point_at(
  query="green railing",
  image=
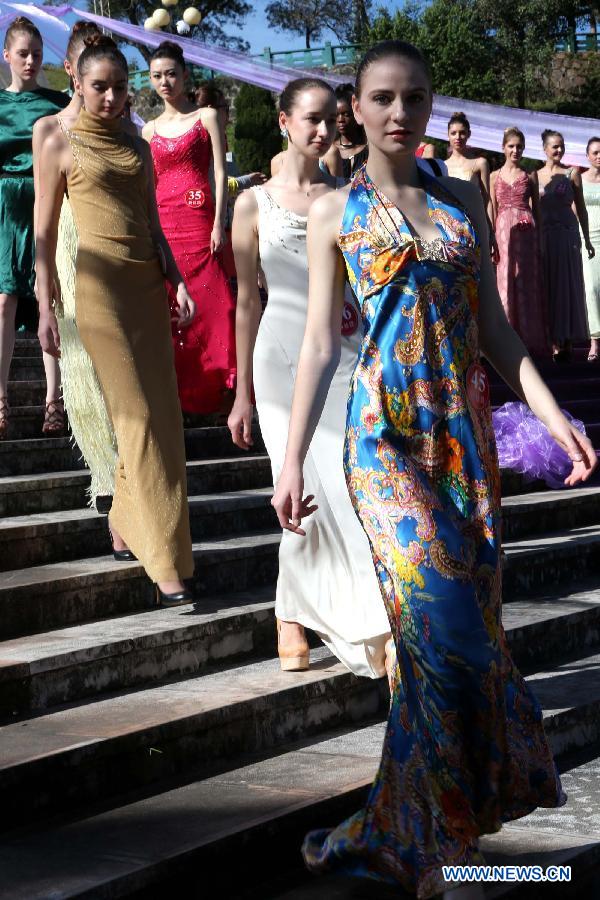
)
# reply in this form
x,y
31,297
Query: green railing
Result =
x,y
580,42
140,78
313,57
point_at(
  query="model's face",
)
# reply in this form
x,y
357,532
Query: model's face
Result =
x,y
394,105
593,155
168,78
104,89
554,148
311,123
513,149
344,120
24,56
458,136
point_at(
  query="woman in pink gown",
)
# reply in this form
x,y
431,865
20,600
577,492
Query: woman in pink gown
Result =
x,y
518,269
184,140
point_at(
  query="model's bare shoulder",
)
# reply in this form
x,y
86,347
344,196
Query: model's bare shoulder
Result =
x,y
326,213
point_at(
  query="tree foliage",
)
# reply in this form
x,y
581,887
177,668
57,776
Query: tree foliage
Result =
x,y
309,18
256,137
215,15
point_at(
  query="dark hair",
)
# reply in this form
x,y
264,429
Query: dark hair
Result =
x,y
459,118
169,50
290,93
208,94
385,49
547,133
100,46
344,92
80,31
512,131
592,140
21,25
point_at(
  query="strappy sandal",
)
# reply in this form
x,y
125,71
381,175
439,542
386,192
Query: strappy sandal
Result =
x,y
4,417
593,358
54,420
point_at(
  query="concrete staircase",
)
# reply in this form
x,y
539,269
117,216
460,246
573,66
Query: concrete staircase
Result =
x,y
144,751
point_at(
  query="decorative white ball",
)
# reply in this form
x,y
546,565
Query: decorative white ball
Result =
x,y
192,16
161,17
182,27
169,2
150,25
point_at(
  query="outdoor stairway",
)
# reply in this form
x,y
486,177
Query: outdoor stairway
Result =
x,y
145,751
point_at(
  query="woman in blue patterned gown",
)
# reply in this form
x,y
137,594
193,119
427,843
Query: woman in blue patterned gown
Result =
x,y
465,748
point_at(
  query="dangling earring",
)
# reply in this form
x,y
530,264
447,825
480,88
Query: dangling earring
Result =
x,y
284,132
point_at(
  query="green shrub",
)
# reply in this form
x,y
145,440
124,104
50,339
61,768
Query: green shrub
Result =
x,y
256,137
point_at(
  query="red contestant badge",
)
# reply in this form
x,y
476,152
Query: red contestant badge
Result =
x,y
349,319
194,198
478,387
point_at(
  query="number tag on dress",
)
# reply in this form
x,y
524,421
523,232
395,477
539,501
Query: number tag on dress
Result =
x,y
478,387
349,320
194,198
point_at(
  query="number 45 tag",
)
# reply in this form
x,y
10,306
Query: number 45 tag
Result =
x,y
478,387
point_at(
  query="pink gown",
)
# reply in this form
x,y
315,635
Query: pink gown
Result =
x,y
204,352
518,272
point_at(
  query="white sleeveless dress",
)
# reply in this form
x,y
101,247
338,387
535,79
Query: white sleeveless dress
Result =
x,y
326,580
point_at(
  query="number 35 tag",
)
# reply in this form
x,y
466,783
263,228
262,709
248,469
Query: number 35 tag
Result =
x,y
194,198
478,387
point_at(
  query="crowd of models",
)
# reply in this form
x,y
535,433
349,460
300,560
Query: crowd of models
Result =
x,y
365,370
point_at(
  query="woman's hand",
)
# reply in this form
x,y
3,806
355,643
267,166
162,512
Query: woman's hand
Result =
x,y
239,423
48,334
591,250
186,308
288,501
578,447
217,238
257,178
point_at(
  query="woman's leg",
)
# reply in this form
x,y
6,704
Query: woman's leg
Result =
x,y
8,309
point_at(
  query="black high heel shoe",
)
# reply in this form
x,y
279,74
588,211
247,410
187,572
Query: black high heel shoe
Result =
x,y
176,599
120,555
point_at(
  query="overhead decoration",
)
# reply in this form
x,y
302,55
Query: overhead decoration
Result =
x,y
192,16
182,27
150,24
169,2
161,17
487,120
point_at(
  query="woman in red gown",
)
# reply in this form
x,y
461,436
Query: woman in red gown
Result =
x,y
184,140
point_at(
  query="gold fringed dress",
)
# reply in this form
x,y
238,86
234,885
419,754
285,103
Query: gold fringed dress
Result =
x,y
84,403
123,320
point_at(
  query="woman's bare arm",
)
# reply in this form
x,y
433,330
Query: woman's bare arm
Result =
x,y
582,213
247,316
502,346
53,162
319,355
210,120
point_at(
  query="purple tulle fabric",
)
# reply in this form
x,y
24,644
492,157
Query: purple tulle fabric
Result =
x,y
525,446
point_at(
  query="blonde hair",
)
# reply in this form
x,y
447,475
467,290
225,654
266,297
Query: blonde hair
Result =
x,y
512,131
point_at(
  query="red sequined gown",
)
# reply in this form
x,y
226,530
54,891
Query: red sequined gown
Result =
x,y
204,352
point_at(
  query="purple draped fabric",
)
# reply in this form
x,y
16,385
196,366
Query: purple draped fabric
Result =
x,y
525,446
487,121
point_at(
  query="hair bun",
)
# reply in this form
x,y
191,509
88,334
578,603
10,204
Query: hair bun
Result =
x,y
99,40
171,46
86,27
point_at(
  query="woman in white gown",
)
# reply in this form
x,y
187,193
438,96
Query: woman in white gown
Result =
x,y
326,581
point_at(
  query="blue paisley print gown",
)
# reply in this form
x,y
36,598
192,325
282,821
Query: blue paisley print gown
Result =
x,y
465,748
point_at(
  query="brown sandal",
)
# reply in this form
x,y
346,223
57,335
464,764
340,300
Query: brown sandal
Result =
x,y
4,417
54,420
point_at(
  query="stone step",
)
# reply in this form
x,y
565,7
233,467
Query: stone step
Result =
x,y
186,837
85,753
28,346
67,593
31,494
27,392
47,454
25,422
26,368
66,665
60,594
63,535
72,534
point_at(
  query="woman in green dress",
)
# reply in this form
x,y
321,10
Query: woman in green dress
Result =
x,y
21,105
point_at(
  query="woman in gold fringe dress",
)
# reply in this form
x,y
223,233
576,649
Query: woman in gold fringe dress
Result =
x,y
121,311
82,396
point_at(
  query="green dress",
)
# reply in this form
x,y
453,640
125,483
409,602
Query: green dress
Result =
x,y
18,114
